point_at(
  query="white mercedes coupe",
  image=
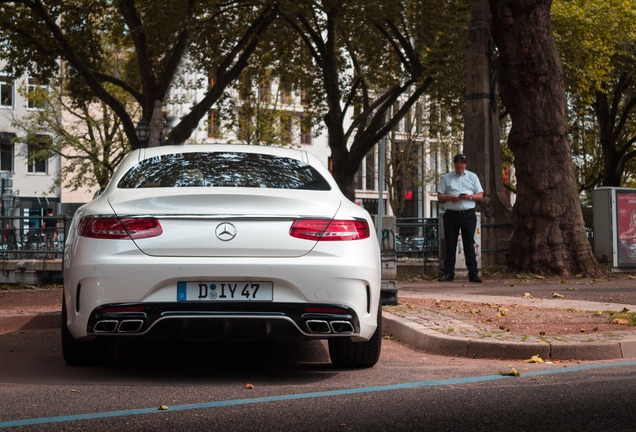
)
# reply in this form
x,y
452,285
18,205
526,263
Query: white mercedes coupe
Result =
x,y
222,242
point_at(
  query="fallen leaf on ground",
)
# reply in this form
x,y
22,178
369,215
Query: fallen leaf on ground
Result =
x,y
512,372
557,295
620,321
249,386
74,391
527,295
534,359
163,408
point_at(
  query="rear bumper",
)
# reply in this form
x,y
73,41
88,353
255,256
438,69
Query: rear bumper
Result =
x,y
218,320
151,282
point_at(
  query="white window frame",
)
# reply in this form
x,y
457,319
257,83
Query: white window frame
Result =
x,y
7,81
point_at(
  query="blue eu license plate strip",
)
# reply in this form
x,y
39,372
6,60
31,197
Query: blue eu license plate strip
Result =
x,y
182,291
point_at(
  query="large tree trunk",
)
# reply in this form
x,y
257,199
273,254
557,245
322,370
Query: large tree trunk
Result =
x,y
549,233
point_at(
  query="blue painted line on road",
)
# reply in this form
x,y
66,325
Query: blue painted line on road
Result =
x,y
342,392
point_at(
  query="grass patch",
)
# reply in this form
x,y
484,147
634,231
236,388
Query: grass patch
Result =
x,y
625,314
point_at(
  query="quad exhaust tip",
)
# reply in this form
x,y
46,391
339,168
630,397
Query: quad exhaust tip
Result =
x,y
114,326
106,326
130,326
341,327
325,327
318,326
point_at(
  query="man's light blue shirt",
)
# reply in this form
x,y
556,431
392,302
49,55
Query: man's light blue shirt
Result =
x,y
453,184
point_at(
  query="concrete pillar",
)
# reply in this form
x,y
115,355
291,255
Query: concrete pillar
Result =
x,y
481,138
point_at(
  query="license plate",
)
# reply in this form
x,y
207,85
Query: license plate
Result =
x,y
225,291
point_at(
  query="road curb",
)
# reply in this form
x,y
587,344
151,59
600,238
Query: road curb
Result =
x,y
420,337
39,321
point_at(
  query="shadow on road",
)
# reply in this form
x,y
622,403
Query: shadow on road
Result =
x,y
35,357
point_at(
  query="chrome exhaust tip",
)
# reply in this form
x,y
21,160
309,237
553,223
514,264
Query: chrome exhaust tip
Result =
x,y
130,326
318,326
341,327
105,326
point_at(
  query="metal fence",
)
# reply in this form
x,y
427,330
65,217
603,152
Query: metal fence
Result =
x,y
32,237
417,239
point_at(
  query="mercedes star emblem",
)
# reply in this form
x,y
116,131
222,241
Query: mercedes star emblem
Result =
x,y
225,231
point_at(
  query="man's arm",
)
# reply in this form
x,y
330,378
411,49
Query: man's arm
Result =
x,y
474,197
446,198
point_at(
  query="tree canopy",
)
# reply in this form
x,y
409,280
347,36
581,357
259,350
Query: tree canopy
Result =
x,y
597,44
150,38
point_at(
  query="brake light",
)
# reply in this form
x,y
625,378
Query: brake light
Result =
x,y
114,228
325,230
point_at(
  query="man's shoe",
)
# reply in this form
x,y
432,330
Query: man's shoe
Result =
x,y
474,278
446,278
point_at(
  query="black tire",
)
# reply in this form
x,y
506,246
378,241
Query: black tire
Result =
x,y
83,353
345,353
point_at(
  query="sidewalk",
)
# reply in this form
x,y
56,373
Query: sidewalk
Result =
x,y
427,328
30,309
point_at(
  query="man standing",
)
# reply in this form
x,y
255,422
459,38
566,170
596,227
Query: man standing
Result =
x,y
460,190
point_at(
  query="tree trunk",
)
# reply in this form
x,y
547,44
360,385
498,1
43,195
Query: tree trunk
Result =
x,y
549,233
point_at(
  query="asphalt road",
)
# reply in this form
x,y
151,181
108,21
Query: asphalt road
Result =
x,y
296,389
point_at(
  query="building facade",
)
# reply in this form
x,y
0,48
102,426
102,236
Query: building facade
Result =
x,y
27,183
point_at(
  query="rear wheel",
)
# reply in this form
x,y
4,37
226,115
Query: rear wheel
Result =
x,y
348,354
83,353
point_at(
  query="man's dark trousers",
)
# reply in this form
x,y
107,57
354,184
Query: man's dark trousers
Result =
x,y
454,221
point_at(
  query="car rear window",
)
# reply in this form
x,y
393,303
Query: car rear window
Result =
x,y
223,169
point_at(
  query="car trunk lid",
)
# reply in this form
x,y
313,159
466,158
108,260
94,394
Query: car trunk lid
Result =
x,y
226,223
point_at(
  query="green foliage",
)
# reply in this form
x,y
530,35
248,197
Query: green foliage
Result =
x,y
597,43
147,39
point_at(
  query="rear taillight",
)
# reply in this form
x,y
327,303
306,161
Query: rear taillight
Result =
x,y
325,230
114,228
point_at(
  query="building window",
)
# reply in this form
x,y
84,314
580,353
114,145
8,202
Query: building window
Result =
x,y
286,97
6,92
6,151
305,130
264,91
37,154
36,93
244,125
304,98
419,121
214,124
286,129
370,171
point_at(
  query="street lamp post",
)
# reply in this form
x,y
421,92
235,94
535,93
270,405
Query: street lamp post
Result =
x,y
142,130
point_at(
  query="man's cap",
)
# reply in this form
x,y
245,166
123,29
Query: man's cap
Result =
x,y
459,158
